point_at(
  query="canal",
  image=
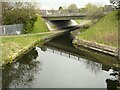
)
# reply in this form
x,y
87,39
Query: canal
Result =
x,y
58,64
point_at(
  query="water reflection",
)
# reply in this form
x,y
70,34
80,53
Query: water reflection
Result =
x,y
95,60
20,72
64,44
43,67
91,65
94,66
58,64
113,81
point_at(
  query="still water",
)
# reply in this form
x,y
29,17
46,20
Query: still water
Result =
x,y
57,64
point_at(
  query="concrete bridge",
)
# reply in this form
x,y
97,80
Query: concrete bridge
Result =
x,y
63,16
61,19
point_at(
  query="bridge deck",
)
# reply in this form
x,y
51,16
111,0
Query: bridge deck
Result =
x,y
63,16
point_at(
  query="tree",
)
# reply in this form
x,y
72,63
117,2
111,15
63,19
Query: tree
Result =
x,y
0,13
72,8
82,10
93,12
60,9
116,3
19,12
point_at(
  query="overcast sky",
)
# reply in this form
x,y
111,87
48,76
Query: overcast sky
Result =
x,y
48,4
54,4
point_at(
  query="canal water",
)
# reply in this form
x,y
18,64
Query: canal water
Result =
x,y
58,64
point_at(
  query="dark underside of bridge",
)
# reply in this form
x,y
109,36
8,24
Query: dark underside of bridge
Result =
x,y
62,24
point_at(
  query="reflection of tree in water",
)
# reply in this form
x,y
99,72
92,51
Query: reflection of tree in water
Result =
x,y
43,48
21,73
113,82
94,66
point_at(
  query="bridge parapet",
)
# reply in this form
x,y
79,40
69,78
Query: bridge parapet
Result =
x,y
63,15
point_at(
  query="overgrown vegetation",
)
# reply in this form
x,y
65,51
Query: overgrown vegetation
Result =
x,y
93,12
19,12
80,20
14,45
115,3
105,31
39,26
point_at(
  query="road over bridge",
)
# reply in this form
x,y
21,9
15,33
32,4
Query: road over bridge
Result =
x,y
63,16
57,20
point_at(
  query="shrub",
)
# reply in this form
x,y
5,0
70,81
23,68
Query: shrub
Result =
x,y
12,14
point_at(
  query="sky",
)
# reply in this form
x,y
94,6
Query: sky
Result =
x,y
55,4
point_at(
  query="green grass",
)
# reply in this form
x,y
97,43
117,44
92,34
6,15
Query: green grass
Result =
x,y
40,26
80,20
104,59
105,31
13,45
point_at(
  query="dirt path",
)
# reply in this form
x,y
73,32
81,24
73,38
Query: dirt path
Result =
x,y
85,22
30,34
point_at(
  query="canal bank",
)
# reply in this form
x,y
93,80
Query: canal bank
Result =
x,y
14,47
96,46
58,64
102,37
68,46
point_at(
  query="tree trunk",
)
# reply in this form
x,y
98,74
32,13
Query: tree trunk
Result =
x,y
0,13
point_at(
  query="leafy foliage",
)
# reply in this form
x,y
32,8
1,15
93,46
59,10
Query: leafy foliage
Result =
x,y
19,12
116,3
93,12
72,8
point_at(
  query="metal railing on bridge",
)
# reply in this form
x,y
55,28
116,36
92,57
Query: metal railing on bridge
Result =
x,y
63,14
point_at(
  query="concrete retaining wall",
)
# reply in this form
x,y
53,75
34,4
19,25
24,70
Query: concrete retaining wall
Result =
x,y
97,46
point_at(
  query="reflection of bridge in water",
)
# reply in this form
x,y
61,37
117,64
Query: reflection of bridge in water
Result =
x,y
72,56
63,53
93,59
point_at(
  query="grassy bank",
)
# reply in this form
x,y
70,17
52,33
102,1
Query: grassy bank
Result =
x,y
13,46
80,20
105,60
105,31
40,26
